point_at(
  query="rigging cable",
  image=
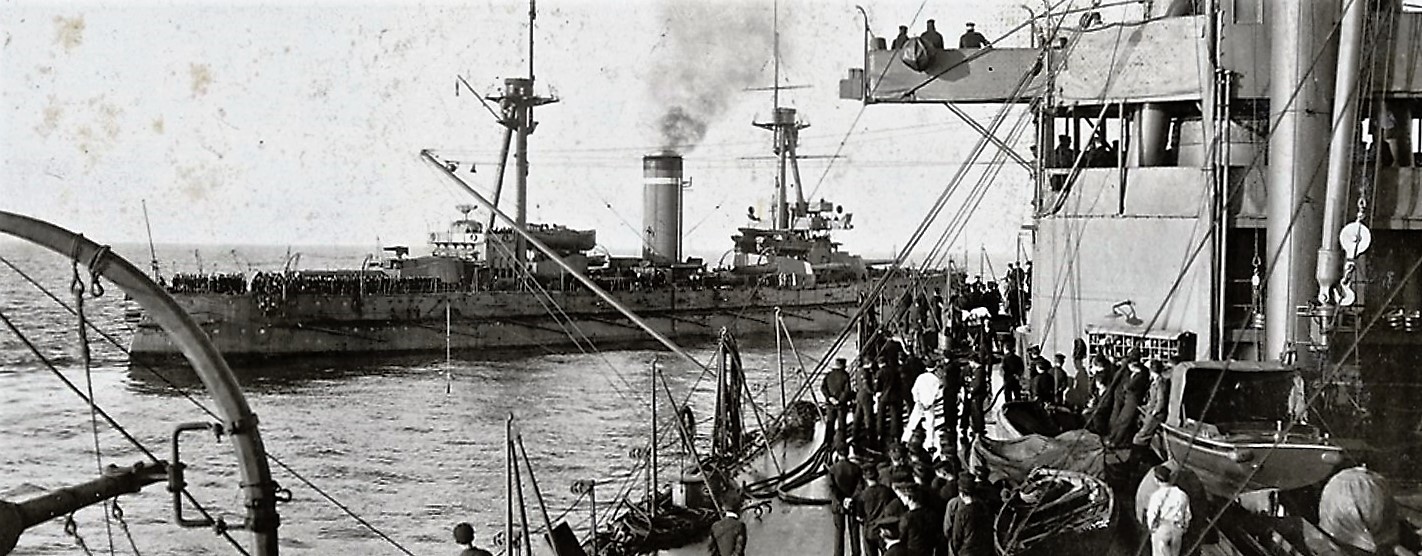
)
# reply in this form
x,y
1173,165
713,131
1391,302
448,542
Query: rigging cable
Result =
x,y
922,229
34,350
194,401
77,288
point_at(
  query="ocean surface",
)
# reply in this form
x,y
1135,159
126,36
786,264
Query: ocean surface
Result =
x,y
382,437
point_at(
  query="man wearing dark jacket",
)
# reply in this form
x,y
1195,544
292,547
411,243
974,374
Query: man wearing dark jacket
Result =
x,y
931,37
838,394
967,523
873,501
728,536
916,527
844,481
891,398
866,427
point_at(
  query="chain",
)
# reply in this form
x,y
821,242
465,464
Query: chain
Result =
x,y
86,358
117,513
72,529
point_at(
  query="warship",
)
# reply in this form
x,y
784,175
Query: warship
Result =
x,y
483,287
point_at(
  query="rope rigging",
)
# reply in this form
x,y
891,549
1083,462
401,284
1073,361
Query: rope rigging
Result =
x,y
87,324
76,286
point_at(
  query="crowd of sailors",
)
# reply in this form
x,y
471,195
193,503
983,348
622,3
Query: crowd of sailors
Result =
x,y
903,425
286,283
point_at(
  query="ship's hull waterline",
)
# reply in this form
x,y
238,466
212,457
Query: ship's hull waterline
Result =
x,y
416,322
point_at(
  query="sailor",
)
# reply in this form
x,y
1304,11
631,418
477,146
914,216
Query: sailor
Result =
x,y
1060,377
952,379
1044,385
1012,370
838,394
1125,417
972,39
938,490
967,523
728,535
910,366
891,397
1078,394
927,408
978,393
866,428
464,535
931,38
893,546
873,501
1153,412
1063,156
916,527
902,39
1101,402
1167,514
844,482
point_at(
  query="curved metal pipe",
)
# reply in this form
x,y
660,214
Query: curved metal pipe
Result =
x,y
1347,97
240,423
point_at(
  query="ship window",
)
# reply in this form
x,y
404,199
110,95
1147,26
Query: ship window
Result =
x,y
1216,396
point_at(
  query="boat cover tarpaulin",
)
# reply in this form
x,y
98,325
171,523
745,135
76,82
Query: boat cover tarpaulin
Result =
x,y
1357,509
1077,450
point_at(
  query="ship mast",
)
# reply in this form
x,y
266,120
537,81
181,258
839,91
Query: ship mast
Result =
x,y
516,113
787,138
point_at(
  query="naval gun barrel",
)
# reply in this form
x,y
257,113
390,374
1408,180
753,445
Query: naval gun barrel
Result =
x,y
15,518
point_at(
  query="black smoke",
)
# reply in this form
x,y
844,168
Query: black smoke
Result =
x,y
711,52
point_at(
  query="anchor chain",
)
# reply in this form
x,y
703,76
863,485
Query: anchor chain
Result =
x,y
72,529
117,512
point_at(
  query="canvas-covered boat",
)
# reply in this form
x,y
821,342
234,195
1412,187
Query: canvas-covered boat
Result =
x,y
1240,426
1015,460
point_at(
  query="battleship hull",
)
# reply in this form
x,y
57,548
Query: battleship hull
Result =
x,y
247,326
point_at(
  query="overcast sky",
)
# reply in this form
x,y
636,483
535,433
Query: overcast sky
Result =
x,y
266,124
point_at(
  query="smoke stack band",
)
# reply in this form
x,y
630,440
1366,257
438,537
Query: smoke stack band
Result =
x,y
661,207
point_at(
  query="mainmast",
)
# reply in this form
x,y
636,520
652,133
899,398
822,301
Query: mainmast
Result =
x,y
516,113
787,139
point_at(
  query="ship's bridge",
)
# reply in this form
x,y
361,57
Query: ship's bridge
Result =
x,y
993,76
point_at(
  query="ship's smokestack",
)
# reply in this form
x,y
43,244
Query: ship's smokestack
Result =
x,y
661,207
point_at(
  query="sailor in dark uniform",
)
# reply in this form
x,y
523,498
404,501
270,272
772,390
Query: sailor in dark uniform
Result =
x,y
873,501
916,527
891,397
972,39
866,429
902,39
967,523
838,394
931,37
844,482
978,393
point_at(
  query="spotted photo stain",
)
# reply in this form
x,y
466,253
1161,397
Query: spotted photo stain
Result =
x,y
201,78
69,32
52,114
158,126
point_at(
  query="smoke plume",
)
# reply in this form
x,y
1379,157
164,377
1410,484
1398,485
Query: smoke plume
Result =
x,y
710,52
